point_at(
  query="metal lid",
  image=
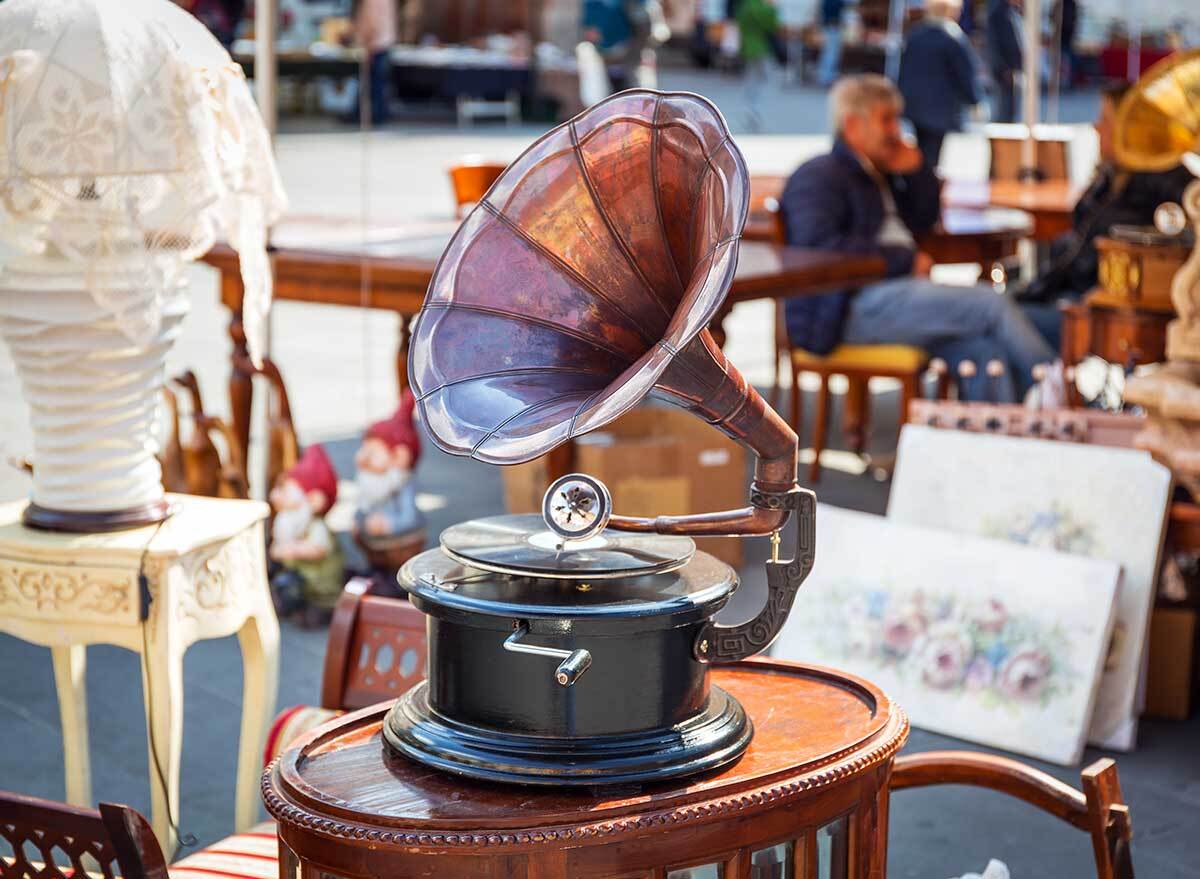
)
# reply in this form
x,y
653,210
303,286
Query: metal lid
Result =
x,y
525,547
698,588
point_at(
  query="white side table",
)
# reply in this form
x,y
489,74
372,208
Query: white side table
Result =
x,y
206,575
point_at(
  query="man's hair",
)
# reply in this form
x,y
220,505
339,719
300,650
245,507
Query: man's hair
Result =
x,y
1115,91
857,94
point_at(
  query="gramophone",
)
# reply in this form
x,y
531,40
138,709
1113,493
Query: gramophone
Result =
x,y
573,648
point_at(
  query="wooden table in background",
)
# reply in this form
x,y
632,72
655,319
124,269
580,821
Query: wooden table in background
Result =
x,y
1051,203
330,261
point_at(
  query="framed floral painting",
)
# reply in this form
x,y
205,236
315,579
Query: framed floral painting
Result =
x,y
975,638
1088,500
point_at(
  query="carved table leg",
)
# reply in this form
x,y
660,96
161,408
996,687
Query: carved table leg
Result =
x,y
70,674
259,640
162,690
241,388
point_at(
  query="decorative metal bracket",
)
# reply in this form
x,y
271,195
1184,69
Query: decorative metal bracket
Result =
x,y
716,643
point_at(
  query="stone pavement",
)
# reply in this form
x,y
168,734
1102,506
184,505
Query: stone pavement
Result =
x,y
340,373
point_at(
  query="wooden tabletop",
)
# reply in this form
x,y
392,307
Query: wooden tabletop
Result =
x,y
814,724
332,260
1051,203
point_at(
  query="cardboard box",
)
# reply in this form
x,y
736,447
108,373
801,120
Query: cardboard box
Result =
x,y
656,461
1172,661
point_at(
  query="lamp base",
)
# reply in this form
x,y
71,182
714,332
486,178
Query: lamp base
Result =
x,y
98,521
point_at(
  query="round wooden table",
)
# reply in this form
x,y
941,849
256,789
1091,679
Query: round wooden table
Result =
x,y
808,799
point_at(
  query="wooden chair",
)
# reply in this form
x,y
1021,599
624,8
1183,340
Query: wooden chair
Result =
x,y
1053,151
471,180
858,363
376,651
55,841
1099,809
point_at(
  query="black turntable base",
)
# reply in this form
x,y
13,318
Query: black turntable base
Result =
x,y
710,740
566,662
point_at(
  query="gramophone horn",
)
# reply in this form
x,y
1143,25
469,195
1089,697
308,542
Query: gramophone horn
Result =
x,y
584,281
1158,121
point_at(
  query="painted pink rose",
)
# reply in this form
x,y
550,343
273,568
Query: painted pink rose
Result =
x,y
945,655
1023,675
990,615
980,674
901,629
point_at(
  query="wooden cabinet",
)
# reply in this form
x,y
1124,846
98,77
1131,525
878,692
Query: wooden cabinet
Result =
x,y
1122,336
808,800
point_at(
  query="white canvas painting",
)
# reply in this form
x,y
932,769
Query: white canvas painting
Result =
x,y
975,638
1088,500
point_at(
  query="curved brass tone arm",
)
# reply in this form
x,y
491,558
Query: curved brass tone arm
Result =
x,y
746,522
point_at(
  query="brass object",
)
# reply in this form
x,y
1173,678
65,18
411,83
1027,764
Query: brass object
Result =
x,y
1137,275
583,282
1158,121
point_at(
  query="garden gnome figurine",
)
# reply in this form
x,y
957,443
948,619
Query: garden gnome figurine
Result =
x,y
387,493
311,565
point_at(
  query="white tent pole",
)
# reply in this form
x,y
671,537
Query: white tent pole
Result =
x,y
1133,55
894,39
1031,92
266,16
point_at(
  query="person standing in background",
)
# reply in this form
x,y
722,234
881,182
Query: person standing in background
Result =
x,y
620,30
757,20
221,17
1006,54
831,35
375,30
1067,16
938,76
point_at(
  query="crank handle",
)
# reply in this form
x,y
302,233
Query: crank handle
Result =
x,y
574,662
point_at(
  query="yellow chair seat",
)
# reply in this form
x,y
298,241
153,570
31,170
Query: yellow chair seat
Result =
x,y
863,358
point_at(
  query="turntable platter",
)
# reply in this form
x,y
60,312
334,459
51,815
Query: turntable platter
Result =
x,y
522,545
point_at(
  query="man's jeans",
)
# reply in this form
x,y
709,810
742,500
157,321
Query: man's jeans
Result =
x,y
976,322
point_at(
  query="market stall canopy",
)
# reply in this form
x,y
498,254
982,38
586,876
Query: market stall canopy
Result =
x,y
129,143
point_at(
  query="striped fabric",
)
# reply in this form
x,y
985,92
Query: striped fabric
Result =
x,y
250,855
290,724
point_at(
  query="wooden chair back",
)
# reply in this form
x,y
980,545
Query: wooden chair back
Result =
x,y
1053,152
376,649
40,839
283,445
471,180
1099,809
206,471
170,458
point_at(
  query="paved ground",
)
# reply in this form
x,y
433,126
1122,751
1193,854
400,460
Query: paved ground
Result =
x,y
338,363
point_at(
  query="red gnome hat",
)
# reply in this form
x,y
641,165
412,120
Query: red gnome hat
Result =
x,y
314,472
399,430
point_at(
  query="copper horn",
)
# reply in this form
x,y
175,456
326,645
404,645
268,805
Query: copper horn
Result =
x,y
583,282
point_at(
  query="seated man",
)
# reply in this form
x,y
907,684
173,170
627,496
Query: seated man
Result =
x,y
1114,196
872,195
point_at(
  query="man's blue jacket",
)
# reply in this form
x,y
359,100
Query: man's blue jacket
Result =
x,y
832,203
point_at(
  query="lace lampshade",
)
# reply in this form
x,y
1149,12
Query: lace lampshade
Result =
x,y
129,143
